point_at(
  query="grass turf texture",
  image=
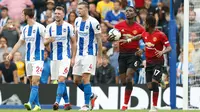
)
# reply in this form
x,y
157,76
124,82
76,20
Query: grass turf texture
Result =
x,y
21,110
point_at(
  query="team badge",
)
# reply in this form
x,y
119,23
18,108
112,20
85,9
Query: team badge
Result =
x,y
87,27
64,30
134,32
154,39
33,31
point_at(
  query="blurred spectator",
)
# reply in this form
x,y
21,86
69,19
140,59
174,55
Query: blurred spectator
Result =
x,y
72,7
131,2
71,17
4,17
180,17
103,7
139,3
93,12
106,45
179,70
46,74
40,6
194,25
161,10
104,28
113,53
17,59
11,32
3,47
142,74
16,7
49,13
165,78
105,74
114,16
61,3
8,71
141,18
195,60
165,24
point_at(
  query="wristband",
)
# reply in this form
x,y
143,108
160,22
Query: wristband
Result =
x,y
128,40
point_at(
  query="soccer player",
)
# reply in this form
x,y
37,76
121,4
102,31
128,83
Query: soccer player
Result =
x,y
61,37
155,41
129,52
32,34
88,32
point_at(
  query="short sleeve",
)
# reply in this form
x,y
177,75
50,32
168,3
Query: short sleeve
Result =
x,y
164,40
42,31
107,18
48,32
96,26
22,36
72,32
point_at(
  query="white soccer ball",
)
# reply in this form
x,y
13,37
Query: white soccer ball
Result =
x,y
114,34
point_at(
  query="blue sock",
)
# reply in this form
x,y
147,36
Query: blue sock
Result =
x,y
60,91
37,100
81,86
33,93
65,95
87,93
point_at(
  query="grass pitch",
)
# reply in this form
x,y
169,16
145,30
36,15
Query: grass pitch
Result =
x,y
21,110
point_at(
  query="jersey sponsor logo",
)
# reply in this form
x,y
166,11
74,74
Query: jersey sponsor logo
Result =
x,y
87,27
149,44
155,39
134,32
83,34
30,39
64,30
33,31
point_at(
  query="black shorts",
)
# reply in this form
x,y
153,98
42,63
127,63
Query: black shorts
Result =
x,y
154,71
128,60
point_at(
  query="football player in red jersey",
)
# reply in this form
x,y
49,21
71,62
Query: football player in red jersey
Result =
x,y
129,53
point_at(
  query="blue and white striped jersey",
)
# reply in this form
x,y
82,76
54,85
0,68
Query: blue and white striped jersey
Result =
x,y
33,37
61,47
86,41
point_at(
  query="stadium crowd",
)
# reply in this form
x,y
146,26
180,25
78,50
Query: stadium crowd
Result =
x,y
108,13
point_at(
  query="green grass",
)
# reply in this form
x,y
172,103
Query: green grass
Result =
x,y
14,110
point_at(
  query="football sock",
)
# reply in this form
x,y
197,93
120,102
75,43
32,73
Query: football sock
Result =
x,y
87,93
128,91
60,90
65,95
33,94
155,98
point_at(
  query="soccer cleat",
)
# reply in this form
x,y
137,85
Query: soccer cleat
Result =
x,y
27,106
124,108
36,108
153,109
92,101
67,107
85,108
55,106
162,84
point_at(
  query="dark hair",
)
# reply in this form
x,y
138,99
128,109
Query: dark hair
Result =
x,y
117,1
84,3
132,8
29,12
4,8
151,21
5,39
70,15
60,8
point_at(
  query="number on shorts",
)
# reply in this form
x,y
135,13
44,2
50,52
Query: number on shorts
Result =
x,y
66,70
156,72
38,69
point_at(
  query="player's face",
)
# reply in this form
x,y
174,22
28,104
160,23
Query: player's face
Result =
x,y
82,10
59,15
130,13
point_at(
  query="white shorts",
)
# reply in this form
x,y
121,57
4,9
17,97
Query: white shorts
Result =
x,y
59,68
84,64
34,68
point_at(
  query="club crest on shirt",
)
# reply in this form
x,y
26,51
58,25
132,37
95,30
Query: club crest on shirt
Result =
x,y
154,39
33,31
134,32
64,30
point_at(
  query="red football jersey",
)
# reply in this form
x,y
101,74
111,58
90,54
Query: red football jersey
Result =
x,y
155,41
132,30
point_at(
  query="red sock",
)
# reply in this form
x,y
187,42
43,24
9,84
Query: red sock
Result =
x,y
155,98
127,96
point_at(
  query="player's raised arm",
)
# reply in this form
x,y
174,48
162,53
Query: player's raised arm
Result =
x,y
74,46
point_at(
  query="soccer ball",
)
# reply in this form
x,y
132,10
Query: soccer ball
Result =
x,y
114,34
